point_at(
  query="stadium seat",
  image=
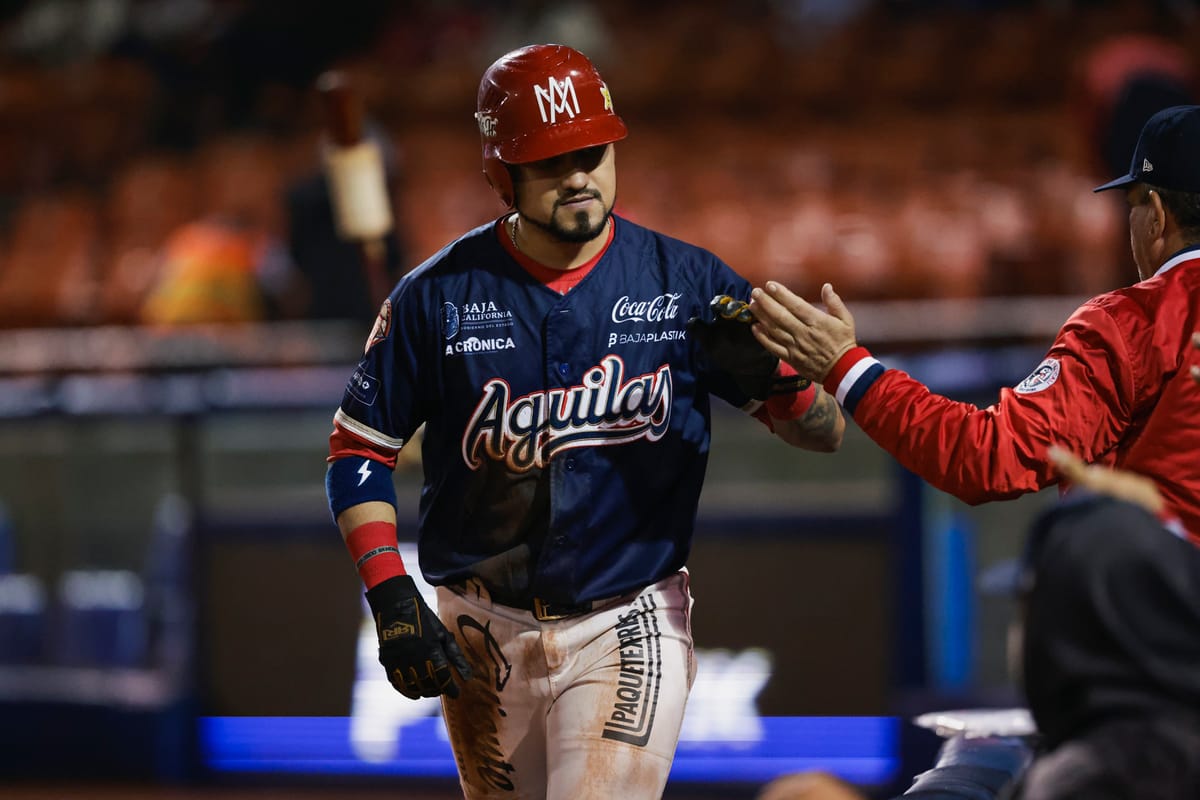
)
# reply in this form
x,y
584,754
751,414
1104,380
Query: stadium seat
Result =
x,y
22,605
99,619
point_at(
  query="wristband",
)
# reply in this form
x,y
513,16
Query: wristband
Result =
x,y
353,479
851,376
372,545
793,404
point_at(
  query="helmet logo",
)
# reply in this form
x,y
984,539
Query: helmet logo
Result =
x,y
557,98
608,106
487,124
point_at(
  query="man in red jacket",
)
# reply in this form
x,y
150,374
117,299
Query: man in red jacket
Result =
x,y
1114,387
1112,603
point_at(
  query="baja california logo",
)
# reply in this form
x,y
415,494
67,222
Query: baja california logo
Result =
x,y
382,326
557,98
474,316
449,320
1041,378
605,409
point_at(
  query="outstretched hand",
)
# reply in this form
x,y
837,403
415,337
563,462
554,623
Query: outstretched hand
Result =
x,y
1116,483
803,335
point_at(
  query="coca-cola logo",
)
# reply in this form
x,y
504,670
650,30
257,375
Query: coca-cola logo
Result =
x,y
656,309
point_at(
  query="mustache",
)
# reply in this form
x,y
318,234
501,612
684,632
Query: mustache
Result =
x,y
588,193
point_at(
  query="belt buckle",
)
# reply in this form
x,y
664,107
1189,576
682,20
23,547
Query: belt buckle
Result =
x,y
542,611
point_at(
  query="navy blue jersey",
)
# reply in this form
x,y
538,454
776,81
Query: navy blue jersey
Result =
x,y
566,435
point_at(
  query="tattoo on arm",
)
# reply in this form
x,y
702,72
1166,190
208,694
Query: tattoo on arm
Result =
x,y
821,418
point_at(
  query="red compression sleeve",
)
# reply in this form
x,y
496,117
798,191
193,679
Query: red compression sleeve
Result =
x,y
372,545
791,405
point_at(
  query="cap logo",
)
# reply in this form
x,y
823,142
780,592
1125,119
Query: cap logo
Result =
x,y
558,98
1147,166
487,125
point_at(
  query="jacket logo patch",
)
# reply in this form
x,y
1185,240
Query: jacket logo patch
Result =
x,y
1041,378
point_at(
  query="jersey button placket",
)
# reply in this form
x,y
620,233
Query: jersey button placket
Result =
x,y
558,330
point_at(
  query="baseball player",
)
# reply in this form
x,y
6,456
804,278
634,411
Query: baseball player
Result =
x,y
562,360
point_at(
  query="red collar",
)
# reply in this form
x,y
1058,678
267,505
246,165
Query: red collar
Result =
x,y
560,280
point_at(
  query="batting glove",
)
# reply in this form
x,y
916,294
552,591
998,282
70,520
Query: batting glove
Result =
x,y
414,646
728,346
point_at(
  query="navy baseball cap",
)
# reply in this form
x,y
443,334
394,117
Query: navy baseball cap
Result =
x,y
1167,152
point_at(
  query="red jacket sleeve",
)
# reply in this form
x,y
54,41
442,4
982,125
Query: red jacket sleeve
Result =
x,y
1080,397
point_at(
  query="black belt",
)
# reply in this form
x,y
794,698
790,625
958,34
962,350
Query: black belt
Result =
x,y
542,610
545,610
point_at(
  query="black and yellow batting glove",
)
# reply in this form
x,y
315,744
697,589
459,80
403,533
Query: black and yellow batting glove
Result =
x,y
414,646
727,345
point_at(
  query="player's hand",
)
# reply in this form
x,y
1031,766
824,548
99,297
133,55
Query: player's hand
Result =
x,y
1117,483
414,646
800,333
724,336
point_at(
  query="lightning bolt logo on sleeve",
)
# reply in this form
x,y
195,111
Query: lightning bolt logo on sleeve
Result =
x,y
354,479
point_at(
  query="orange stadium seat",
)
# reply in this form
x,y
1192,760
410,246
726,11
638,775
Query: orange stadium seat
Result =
x,y
48,274
148,198
109,103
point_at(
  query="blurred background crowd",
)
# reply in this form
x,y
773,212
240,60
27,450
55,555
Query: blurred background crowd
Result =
x,y
902,148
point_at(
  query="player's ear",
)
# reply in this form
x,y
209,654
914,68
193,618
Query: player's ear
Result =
x,y
1159,212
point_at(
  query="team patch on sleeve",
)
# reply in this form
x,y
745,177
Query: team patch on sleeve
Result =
x,y
382,326
1041,378
363,386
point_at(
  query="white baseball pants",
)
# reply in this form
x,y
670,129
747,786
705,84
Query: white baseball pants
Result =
x,y
588,706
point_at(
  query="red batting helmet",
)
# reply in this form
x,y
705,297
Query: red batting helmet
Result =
x,y
539,102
